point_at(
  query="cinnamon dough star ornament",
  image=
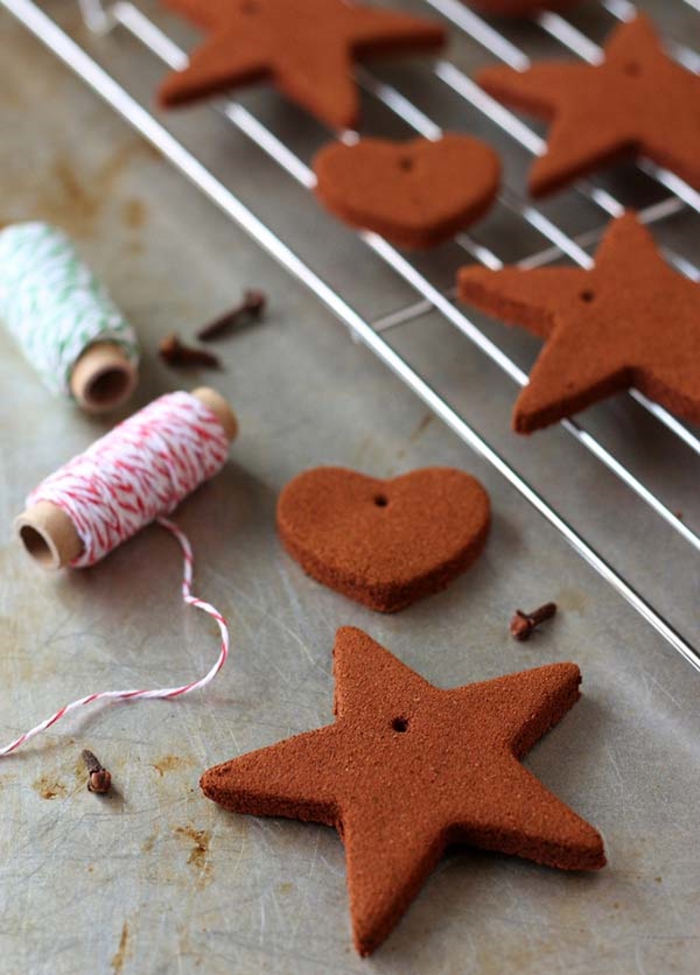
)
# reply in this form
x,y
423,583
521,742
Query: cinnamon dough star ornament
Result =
x,y
408,769
629,321
305,47
638,101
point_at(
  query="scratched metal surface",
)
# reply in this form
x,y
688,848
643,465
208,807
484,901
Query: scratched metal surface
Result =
x,y
157,879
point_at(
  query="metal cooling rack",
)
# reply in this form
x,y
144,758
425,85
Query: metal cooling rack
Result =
x,y
103,18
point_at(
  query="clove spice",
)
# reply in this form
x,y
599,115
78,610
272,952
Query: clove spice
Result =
x,y
99,779
173,351
523,624
251,308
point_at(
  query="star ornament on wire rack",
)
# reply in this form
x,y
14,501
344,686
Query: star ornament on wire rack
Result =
x,y
408,769
305,47
630,321
638,101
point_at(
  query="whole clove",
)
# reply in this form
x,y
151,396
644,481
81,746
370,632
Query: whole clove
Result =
x,y
173,351
99,779
250,309
522,624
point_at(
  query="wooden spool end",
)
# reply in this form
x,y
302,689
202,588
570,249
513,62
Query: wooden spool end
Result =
x,y
221,408
48,535
103,378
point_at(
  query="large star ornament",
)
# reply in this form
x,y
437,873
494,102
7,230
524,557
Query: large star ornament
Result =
x,y
629,321
305,47
637,101
407,769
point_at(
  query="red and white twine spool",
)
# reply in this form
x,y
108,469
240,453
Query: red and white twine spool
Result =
x,y
134,475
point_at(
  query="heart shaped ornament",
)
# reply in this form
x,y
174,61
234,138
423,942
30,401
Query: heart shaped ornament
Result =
x,y
415,194
384,543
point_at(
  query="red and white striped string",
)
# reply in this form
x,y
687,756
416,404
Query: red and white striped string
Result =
x,y
134,475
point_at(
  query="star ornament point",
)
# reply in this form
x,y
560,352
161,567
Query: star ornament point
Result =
x,y
636,101
408,769
630,321
306,48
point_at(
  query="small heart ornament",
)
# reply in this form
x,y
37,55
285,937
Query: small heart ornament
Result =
x,y
384,543
415,194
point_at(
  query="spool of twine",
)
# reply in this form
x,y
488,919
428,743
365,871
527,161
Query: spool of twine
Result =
x,y
136,474
64,321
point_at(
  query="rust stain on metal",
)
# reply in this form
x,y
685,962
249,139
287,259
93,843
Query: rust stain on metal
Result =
x,y
134,213
200,839
74,199
149,843
49,787
198,857
168,763
120,956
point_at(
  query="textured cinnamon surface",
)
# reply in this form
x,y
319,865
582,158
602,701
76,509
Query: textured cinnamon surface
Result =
x,y
384,543
304,47
638,101
417,193
629,321
408,769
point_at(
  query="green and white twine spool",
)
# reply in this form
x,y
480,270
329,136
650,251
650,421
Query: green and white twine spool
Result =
x,y
53,304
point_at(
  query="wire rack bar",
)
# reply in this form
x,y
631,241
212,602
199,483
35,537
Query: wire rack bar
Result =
x,y
650,215
115,95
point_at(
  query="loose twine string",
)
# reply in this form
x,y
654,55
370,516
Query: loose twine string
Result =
x,y
134,475
53,304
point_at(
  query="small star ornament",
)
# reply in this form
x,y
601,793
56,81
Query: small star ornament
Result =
x,y
629,321
638,101
408,769
304,47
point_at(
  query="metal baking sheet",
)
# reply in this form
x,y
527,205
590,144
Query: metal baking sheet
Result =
x,y
157,879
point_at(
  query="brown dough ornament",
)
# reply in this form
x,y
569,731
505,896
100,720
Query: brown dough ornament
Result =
x,y
629,321
408,769
415,194
384,543
638,101
304,47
